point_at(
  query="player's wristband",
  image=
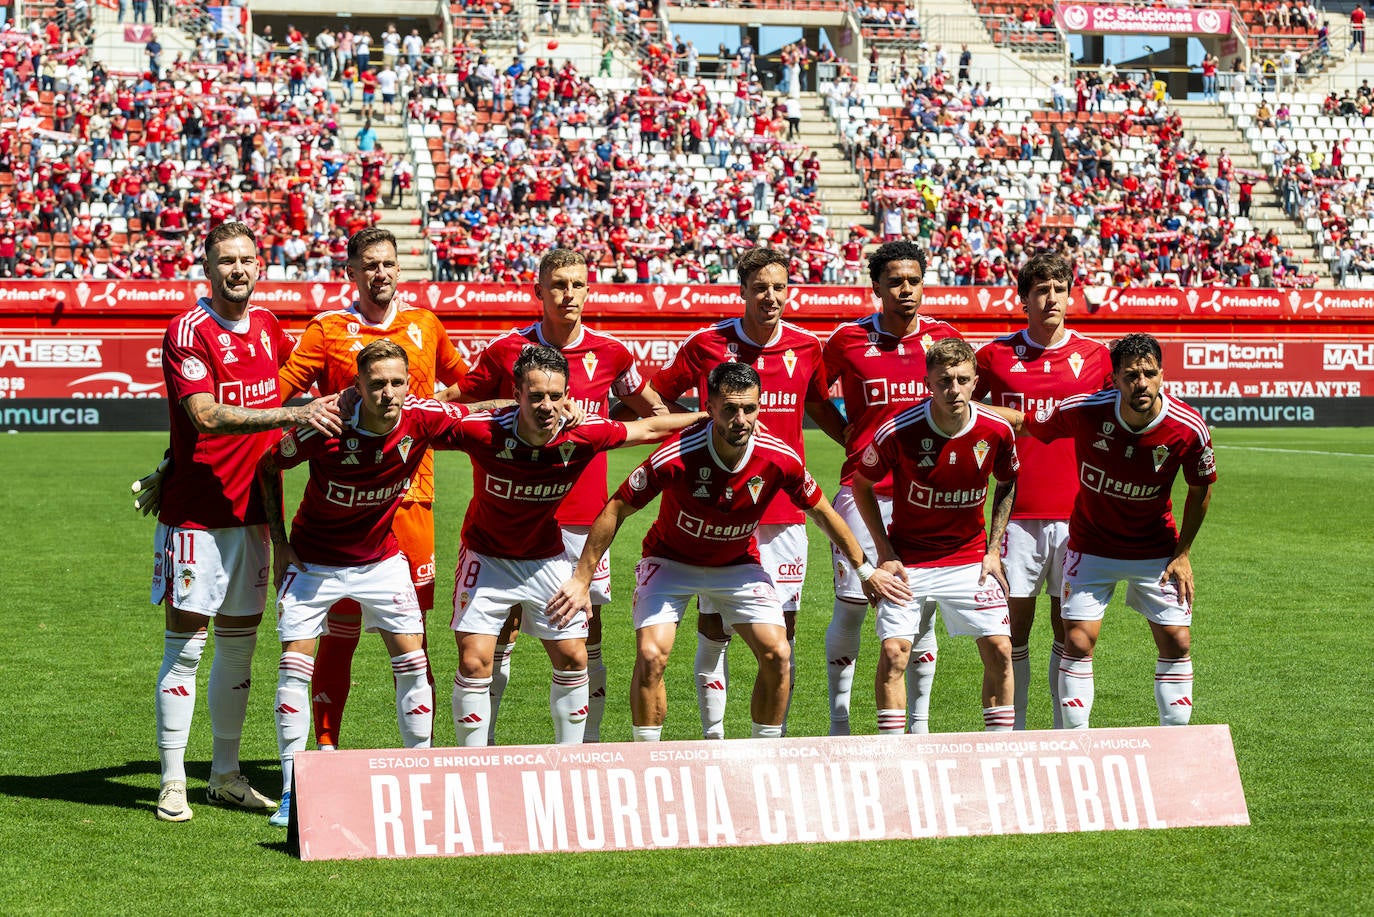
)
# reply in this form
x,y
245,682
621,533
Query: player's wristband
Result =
x,y
864,571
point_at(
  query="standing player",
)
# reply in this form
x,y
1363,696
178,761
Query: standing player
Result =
x,y
1131,440
524,462
940,454
344,544
879,361
1035,369
325,357
788,361
600,366
219,360
718,480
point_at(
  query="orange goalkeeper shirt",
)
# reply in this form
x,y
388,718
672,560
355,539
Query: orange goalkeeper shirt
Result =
x,y
326,357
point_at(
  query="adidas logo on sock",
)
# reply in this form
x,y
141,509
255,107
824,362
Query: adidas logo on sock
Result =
x,y
244,685
714,686
321,698
1182,702
471,719
178,691
418,711
286,708
1073,702
842,661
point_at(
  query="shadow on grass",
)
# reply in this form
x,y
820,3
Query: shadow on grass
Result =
x,y
122,786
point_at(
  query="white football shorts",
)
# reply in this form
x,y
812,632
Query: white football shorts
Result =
x,y
1090,581
739,593
1033,556
574,537
782,549
485,588
969,609
211,571
847,584
383,590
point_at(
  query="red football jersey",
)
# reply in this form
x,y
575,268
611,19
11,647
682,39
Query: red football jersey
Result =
x,y
358,479
790,370
940,482
517,488
211,483
709,511
601,366
1123,509
1020,374
879,375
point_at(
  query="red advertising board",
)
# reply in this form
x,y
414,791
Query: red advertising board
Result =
x,y
1123,19
527,799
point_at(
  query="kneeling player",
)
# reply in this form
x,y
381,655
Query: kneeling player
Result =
x,y
940,453
716,480
342,546
525,460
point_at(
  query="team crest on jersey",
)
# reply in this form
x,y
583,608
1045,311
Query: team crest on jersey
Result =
x,y
354,328
927,340
872,337
702,492
1108,427
927,444
704,473
953,458
639,479
731,352
870,456
288,445
566,450
187,576
351,444
589,363
225,340
789,360
755,487
416,335
464,599
1076,363
266,341
1020,350
1161,455
508,452
980,451
403,447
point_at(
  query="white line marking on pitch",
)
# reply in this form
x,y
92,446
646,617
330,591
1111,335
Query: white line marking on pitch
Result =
x,y
1300,451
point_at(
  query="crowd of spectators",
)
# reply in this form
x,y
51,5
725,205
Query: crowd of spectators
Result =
x,y
943,171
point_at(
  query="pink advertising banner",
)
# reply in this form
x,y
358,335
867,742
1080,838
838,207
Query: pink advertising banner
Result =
x,y
536,799
1142,20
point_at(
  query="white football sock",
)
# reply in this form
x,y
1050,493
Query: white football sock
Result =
x,y
920,675
1076,691
292,710
1020,675
176,699
764,731
1056,660
596,693
891,722
414,699
568,704
231,675
500,677
647,733
999,719
471,711
841,654
1174,691
712,677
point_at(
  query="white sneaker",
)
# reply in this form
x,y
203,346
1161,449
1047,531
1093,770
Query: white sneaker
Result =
x,y
282,817
171,802
236,791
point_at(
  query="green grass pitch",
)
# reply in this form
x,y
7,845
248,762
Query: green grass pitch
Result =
x,y
1282,644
